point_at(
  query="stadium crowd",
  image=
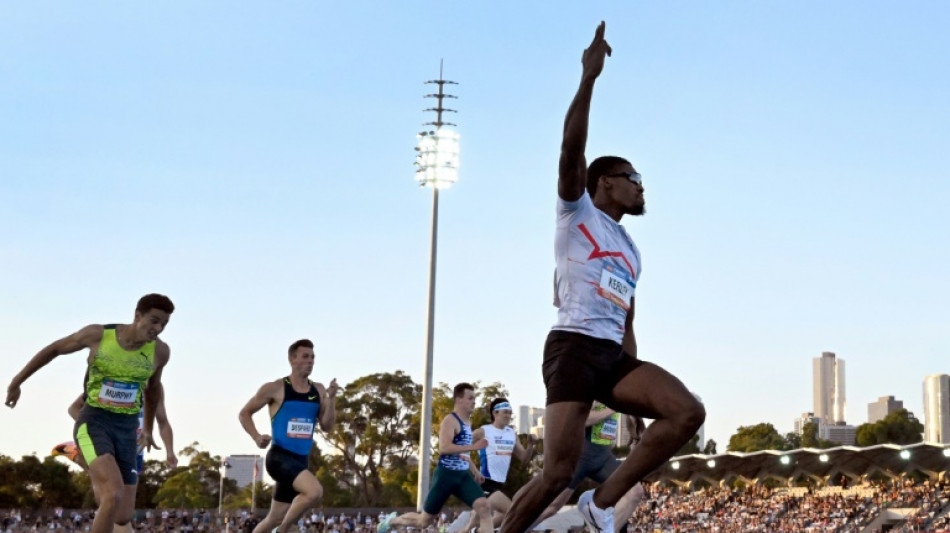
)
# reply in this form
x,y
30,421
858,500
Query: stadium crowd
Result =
x,y
749,509
787,510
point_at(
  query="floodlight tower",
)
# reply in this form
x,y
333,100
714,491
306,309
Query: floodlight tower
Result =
x,y
437,160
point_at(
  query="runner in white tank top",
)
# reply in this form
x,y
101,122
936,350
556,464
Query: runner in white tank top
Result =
x,y
495,459
591,352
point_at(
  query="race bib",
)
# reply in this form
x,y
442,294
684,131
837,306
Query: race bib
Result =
x,y
616,285
300,428
118,394
504,447
609,430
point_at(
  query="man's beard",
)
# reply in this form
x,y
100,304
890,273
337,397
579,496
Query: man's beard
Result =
x,y
638,210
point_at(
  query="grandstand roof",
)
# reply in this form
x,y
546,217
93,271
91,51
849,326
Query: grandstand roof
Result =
x,y
852,461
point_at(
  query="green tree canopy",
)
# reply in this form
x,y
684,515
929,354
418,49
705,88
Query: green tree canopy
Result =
x,y
899,427
376,428
762,436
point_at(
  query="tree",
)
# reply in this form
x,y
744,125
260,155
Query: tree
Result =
x,y
754,438
263,493
710,447
810,438
899,427
153,476
793,441
196,485
376,428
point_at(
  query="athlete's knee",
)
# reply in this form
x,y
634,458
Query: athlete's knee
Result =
x,y
691,418
313,494
481,507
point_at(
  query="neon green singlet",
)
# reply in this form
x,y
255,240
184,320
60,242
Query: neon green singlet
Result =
x,y
605,431
117,376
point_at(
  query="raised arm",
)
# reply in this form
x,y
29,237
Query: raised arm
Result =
x,y
572,170
265,395
447,431
328,405
154,393
87,337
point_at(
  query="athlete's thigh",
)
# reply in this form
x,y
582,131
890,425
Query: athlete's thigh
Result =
x,y
306,483
499,502
104,472
649,391
564,435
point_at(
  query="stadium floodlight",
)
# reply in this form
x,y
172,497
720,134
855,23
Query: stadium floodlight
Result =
x,y
675,465
711,463
946,452
437,160
785,459
823,458
905,454
436,167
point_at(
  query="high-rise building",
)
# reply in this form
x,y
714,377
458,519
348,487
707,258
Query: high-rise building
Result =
x,y
240,468
838,433
884,406
527,418
828,387
937,409
806,418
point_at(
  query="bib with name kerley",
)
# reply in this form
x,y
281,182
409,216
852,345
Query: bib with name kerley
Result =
x,y
616,285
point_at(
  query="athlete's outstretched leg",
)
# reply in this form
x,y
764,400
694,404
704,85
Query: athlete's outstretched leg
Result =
x,y
563,441
651,392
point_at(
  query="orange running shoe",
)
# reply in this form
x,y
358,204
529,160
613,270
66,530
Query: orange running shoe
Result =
x,y
68,450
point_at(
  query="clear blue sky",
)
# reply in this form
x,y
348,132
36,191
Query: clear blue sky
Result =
x,y
254,162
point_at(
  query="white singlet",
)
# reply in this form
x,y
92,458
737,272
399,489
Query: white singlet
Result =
x,y
496,457
598,266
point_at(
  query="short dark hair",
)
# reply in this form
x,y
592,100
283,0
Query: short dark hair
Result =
x,y
491,407
459,390
599,167
302,343
154,301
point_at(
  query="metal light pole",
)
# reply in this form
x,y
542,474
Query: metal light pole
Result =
x,y
437,167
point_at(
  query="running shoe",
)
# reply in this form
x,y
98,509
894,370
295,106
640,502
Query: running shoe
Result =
x,y
384,526
598,520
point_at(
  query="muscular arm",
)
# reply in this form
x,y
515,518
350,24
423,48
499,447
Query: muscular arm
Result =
x,y
572,168
87,337
265,395
166,434
447,431
154,392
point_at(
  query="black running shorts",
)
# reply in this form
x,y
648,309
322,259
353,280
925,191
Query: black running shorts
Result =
x,y
284,467
581,368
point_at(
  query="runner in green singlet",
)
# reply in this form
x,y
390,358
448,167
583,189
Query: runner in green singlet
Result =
x,y
125,362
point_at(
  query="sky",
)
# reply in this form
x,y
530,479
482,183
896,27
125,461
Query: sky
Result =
x,y
254,161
